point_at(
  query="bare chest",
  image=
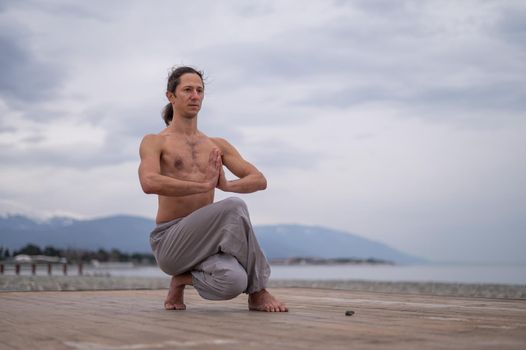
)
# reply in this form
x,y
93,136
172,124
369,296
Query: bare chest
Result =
x,y
186,159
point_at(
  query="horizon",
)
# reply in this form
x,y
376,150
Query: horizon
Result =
x,y
426,261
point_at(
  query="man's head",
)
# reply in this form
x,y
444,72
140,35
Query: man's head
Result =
x,y
185,89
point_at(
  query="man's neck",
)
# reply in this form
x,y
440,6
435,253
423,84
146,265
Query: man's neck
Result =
x,y
187,126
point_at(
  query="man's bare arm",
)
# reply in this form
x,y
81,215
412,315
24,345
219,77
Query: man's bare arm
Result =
x,y
153,182
250,179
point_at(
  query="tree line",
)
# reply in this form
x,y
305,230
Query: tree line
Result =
x,y
73,255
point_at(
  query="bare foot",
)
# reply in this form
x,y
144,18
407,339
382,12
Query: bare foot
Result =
x,y
264,301
175,298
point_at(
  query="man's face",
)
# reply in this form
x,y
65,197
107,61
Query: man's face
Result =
x,y
188,95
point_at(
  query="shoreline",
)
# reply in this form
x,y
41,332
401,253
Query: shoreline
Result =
x,y
90,283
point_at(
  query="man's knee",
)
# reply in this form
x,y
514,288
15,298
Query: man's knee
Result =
x,y
234,282
234,203
222,278
232,278
223,285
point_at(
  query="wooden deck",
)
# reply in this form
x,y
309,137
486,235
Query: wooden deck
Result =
x,y
121,320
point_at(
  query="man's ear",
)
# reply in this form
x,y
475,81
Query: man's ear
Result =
x,y
170,95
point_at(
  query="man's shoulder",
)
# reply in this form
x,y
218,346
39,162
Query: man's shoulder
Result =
x,y
219,141
153,137
152,140
225,146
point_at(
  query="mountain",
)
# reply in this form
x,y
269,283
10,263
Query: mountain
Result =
x,y
282,241
130,234
126,233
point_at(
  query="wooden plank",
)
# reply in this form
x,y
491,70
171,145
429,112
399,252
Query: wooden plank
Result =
x,y
120,320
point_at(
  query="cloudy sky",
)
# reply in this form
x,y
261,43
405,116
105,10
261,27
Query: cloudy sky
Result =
x,y
401,121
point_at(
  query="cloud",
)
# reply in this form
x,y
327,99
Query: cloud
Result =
x,y
82,192
24,78
60,143
97,10
402,54
509,96
511,24
277,155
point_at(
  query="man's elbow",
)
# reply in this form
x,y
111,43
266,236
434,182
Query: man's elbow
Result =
x,y
262,183
148,186
147,189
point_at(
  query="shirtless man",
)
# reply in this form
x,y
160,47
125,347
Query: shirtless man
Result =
x,y
209,245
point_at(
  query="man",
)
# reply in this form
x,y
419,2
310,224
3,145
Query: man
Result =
x,y
209,245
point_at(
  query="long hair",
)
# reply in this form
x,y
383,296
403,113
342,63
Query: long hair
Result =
x,y
173,80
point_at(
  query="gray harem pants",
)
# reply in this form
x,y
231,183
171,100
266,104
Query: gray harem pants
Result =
x,y
217,245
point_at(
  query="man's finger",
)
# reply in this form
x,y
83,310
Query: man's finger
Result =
x,y
218,159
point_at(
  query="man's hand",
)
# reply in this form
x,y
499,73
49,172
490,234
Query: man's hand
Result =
x,y
222,182
214,168
249,178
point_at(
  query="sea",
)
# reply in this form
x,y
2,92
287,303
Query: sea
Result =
x,y
512,274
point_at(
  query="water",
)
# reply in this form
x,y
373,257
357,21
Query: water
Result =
x,y
452,273
505,274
